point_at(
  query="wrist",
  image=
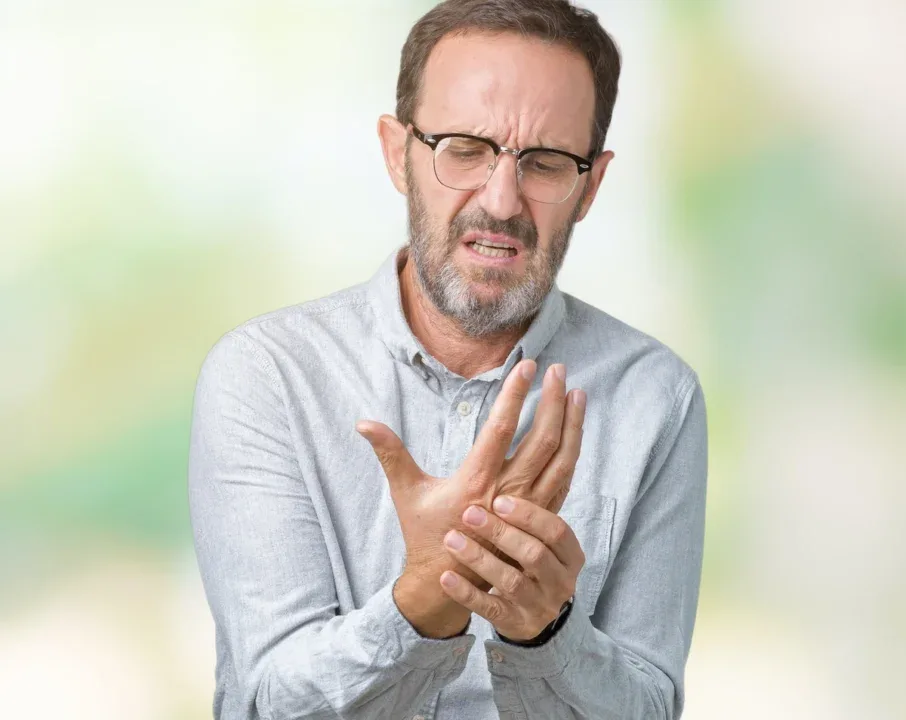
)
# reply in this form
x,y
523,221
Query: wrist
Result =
x,y
548,632
427,608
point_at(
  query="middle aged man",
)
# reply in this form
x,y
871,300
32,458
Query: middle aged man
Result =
x,y
352,579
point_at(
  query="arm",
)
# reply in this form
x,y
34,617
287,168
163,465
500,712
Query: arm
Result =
x,y
283,652
627,660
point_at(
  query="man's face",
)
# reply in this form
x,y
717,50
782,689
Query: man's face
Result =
x,y
522,93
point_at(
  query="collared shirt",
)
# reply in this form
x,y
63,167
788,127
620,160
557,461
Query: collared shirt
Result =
x,y
299,544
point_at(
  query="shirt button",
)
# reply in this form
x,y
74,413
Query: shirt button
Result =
x,y
458,650
496,656
464,408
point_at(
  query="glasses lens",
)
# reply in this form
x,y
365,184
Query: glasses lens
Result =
x,y
547,177
463,163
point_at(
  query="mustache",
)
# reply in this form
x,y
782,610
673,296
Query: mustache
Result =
x,y
518,227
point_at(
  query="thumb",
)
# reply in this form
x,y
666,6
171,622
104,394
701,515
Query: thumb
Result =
x,y
399,467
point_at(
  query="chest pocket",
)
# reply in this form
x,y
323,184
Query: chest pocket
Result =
x,y
591,518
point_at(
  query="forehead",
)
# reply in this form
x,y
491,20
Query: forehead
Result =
x,y
510,87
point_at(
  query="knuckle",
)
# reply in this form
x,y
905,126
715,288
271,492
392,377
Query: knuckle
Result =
x,y
502,429
564,467
477,482
472,553
534,555
560,531
576,421
498,532
513,583
548,443
563,490
387,459
494,611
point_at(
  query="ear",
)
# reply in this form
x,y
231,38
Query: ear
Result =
x,y
393,142
595,176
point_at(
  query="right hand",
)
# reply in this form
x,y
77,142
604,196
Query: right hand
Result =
x,y
540,470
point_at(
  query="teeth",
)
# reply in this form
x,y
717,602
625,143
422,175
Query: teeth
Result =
x,y
492,252
489,243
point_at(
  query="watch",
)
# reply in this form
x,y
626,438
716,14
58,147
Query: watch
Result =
x,y
549,631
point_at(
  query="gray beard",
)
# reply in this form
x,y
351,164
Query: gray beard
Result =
x,y
450,291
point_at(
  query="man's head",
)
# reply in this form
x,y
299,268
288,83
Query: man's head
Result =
x,y
524,74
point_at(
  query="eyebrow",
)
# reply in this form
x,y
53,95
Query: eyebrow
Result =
x,y
540,142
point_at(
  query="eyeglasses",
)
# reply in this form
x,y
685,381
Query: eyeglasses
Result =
x,y
466,162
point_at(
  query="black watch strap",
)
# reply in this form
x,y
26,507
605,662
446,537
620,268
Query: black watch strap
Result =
x,y
548,631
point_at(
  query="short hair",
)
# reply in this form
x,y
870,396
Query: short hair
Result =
x,y
556,21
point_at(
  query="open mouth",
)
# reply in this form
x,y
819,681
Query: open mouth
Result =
x,y
492,249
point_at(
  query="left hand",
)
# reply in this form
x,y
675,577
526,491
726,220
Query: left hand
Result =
x,y
522,602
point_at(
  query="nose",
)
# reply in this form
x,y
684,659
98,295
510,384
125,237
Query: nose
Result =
x,y
500,195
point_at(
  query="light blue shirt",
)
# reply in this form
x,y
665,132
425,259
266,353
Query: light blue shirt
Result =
x,y
299,544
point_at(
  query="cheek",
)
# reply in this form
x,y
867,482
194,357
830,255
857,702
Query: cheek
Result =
x,y
549,220
443,204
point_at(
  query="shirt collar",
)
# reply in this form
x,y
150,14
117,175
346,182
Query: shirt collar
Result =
x,y
384,294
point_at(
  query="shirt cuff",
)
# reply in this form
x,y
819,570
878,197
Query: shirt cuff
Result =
x,y
514,661
407,645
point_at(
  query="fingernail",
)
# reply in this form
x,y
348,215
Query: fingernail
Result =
x,y
579,398
475,516
449,579
560,370
528,370
503,505
455,540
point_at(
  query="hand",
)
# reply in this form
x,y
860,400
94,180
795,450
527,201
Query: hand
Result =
x,y
542,467
521,603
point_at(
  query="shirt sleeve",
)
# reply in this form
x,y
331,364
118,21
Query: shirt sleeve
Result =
x,y
627,660
283,651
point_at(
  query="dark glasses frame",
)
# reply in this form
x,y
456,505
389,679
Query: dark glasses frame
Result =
x,y
433,139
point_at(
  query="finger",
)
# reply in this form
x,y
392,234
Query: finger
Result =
x,y
399,467
553,483
542,526
537,560
510,582
493,608
542,441
489,451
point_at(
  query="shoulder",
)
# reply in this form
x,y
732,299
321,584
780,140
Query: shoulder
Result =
x,y
623,352
332,309
297,332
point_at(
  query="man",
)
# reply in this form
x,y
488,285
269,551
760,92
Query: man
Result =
x,y
556,524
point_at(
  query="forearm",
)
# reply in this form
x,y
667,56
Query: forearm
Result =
x,y
627,661
368,663
581,673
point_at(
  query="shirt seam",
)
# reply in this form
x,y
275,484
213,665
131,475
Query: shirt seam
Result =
x,y
309,312
686,387
259,357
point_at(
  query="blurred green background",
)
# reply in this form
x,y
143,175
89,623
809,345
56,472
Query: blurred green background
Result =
x,y
170,169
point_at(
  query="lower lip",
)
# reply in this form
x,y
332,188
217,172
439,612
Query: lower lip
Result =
x,y
493,261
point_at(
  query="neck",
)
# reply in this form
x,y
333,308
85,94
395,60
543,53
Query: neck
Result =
x,y
444,339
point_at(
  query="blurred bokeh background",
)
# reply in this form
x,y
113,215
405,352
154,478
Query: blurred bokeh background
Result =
x,y
171,169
